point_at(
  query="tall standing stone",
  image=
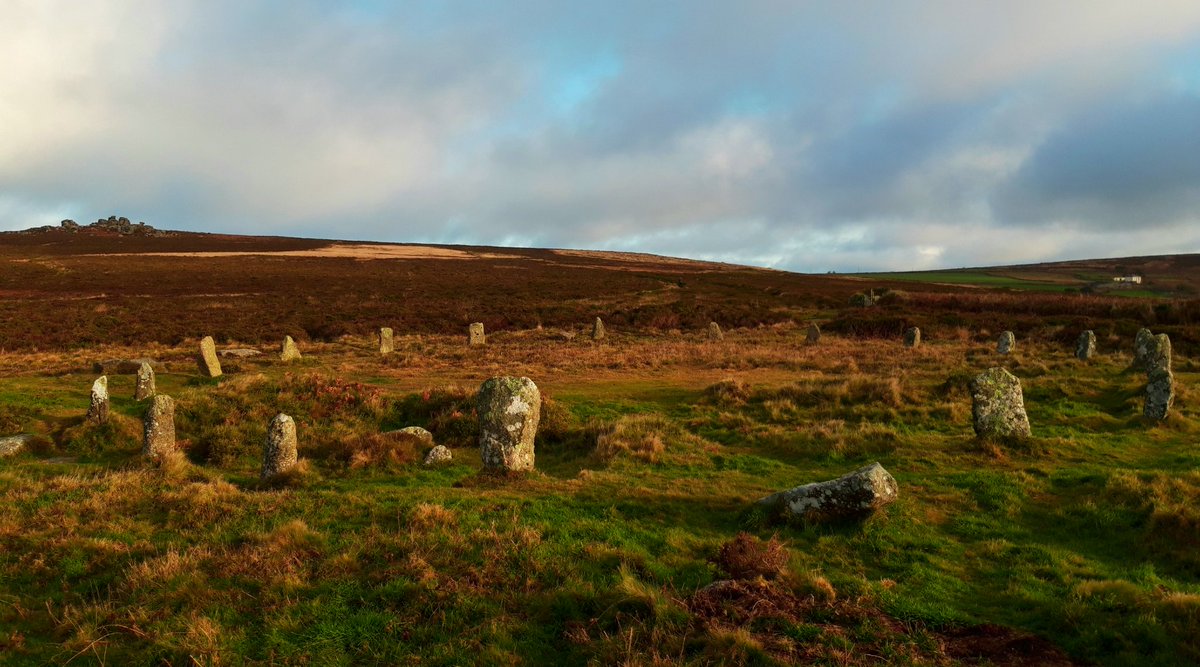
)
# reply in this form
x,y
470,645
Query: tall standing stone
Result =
x,y
998,405
1158,353
387,344
475,335
288,351
1160,394
144,387
1143,342
279,454
158,427
1006,343
210,366
912,337
598,329
814,334
714,332
1085,347
509,410
98,409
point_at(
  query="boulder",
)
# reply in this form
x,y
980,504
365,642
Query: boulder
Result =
x,y
288,351
279,454
13,444
126,366
387,343
1085,347
158,427
714,332
240,352
438,455
210,366
1143,342
1158,353
998,405
509,410
475,334
98,409
144,386
598,329
1160,394
1006,343
912,337
814,334
850,496
425,437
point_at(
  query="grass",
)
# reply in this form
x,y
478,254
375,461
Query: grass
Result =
x,y
1078,544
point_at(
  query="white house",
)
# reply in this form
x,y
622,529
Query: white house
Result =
x,y
1137,280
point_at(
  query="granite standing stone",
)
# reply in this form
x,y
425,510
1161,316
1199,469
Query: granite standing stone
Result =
x,y
1160,394
1006,343
288,351
814,334
475,335
158,427
998,405
1085,347
598,329
144,388
1143,342
1158,353
210,366
851,496
509,410
912,337
98,409
279,454
438,455
387,343
714,332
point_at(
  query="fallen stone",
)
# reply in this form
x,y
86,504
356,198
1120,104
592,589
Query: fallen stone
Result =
x,y
417,432
998,405
1160,394
714,332
279,454
210,366
288,351
387,343
912,337
1006,343
158,427
1085,347
13,444
475,335
144,387
98,409
439,454
598,329
814,334
240,352
850,496
509,411
126,366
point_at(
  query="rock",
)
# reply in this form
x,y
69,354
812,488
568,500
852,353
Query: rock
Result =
x,y
1006,343
509,410
13,444
814,334
98,410
387,343
240,352
862,300
475,335
417,432
288,351
912,337
1143,342
279,454
998,405
126,366
210,366
1160,394
598,329
439,454
158,427
144,387
714,332
850,496
1158,354
1085,347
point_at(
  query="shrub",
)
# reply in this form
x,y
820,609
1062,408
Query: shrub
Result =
x,y
727,393
748,557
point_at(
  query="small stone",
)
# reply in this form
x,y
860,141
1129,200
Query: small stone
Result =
x,y
439,454
1143,342
288,351
475,335
144,387
850,496
279,454
13,444
387,343
425,437
158,427
1160,394
1006,343
1158,354
598,329
714,332
912,337
509,411
1085,347
210,366
814,334
98,410
998,405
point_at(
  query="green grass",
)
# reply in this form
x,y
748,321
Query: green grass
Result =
x,y
971,278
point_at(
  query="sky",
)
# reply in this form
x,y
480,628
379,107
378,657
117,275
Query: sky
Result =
x,y
806,136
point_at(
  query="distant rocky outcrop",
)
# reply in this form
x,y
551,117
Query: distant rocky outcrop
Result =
x,y
111,224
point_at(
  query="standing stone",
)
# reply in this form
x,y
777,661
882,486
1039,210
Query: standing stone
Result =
x,y
387,344
714,332
814,334
598,329
509,410
1006,343
475,335
912,337
1143,342
288,351
98,410
850,496
145,382
998,405
210,366
158,427
1160,394
1085,347
279,454
438,455
1158,353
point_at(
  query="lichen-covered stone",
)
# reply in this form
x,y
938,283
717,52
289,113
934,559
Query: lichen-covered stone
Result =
x,y
158,427
598,329
509,410
387,343
1085,347
714,332
288,351
279,454
210,366
998,405
423,436
1160,394
240,352
13,444
98,409
1143,342
912,337
439,454
144,385
475,334
1158,353
1006,343
814,334
850,496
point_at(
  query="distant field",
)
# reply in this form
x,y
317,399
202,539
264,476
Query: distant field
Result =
x,y
971,278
